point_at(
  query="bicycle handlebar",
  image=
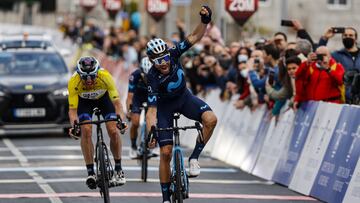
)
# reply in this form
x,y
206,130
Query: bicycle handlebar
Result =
x,y
97,122
154,130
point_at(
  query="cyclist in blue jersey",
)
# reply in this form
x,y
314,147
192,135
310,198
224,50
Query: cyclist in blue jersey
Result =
x,y
167,93
137,95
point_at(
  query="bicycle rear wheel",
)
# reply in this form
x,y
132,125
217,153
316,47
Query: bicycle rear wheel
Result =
x,y
178,193
144,162
103,179
145,151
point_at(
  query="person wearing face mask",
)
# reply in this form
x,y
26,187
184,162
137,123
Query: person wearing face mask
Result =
x,y
323,76
242,85
349,56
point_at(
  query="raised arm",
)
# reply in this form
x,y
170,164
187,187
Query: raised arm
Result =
x,y
200,29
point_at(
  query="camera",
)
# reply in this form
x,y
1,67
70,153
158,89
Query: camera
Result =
x,y
257,61
319,57
287,23
338,30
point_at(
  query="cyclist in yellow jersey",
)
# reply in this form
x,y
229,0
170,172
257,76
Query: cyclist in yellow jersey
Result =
x,y
92,86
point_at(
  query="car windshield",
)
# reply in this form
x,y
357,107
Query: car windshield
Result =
x,y
21,63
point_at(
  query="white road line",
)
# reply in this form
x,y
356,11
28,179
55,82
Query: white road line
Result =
x,y
151,180
49,148
37,178
126,168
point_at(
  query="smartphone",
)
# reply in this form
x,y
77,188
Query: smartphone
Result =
x,y
287,23
256,61
338,30
271,77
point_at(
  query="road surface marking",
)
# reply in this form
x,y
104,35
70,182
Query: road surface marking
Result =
x,y
126,168
38,179
150,180
155,194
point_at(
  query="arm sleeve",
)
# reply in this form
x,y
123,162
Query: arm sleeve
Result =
x,y
133,81
281,94
73,96
255,81
180,48
337,74
153,89
322,42
111,87
303,34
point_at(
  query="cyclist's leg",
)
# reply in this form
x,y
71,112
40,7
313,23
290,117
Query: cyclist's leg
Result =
x,y
196,109
165,140
135,120
85,113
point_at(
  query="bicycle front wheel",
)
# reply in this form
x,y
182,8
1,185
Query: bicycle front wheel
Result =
x,y
103,175
178,193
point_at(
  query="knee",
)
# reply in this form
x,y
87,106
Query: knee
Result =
x,y
165,153
112,131
135,121
86,131
210,120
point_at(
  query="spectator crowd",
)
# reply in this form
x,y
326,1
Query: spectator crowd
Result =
x,y
276,72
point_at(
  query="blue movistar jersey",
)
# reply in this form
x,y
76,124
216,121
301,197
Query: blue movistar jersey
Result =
x,y
171,85
137,85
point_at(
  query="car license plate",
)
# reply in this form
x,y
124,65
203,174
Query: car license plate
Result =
x,y
30,112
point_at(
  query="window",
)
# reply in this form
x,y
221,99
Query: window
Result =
x,y
338,4
47,6
7,5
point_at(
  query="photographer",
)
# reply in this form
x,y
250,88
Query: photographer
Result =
x,y
323,77
349,56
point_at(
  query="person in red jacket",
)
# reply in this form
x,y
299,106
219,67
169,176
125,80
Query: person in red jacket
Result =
x,y
321,77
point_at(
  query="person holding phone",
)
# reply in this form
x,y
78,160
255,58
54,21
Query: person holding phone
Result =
x,y
323,76
349,56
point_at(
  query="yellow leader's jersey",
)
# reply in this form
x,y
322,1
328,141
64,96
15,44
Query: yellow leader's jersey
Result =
x,y
103,83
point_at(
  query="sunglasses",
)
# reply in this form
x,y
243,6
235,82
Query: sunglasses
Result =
x,y
162,59
88,76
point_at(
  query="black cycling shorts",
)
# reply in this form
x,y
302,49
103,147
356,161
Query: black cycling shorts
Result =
x,y
86,106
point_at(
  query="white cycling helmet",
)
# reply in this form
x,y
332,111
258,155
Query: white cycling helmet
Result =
x,y
145,64
87,66
156,47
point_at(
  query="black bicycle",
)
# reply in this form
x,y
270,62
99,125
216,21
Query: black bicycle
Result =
x,y
179,177
104,168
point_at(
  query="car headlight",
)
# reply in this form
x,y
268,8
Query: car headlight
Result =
x,y
61,92
2,93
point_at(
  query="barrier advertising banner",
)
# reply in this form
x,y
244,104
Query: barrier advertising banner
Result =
x,y
218,108
289,159
227,133
250,160
245,136
275,142
340,158
353,191
315,147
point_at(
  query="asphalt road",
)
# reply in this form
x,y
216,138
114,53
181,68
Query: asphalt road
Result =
x,y
51,169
